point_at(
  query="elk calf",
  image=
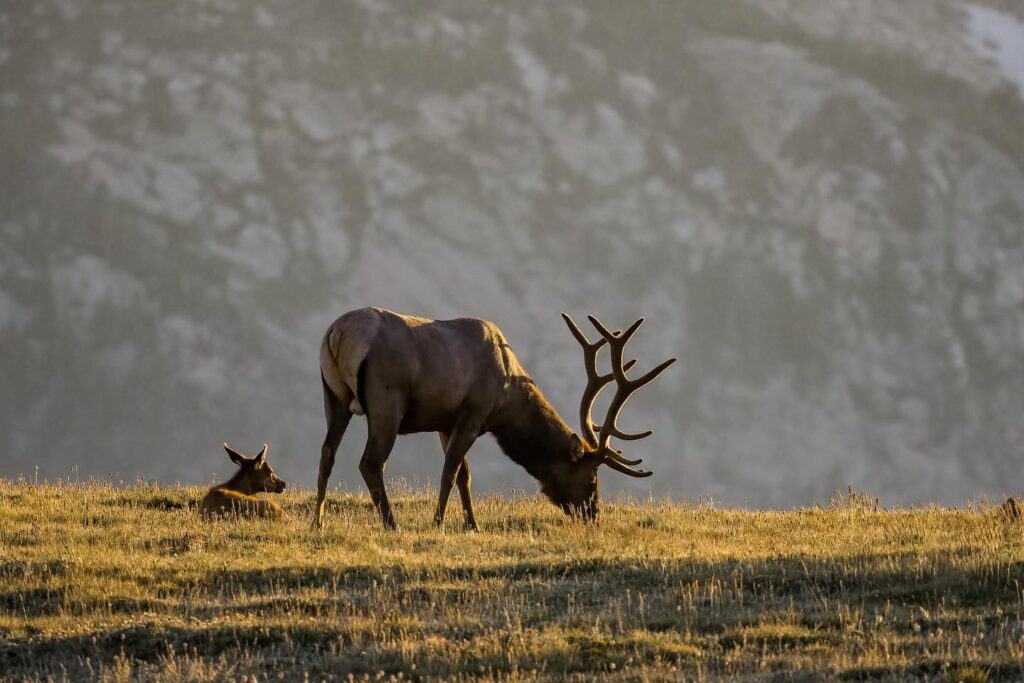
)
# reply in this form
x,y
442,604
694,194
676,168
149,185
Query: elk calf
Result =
x,y
236,496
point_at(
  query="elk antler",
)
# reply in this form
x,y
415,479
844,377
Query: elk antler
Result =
x,y
624,389
595,382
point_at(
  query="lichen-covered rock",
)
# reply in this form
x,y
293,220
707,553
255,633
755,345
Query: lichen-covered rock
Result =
x,y
820,207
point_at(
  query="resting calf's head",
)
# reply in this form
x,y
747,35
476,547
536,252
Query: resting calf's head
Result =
x,y
255,475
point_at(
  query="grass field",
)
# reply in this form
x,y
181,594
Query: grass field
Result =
x,y
123,583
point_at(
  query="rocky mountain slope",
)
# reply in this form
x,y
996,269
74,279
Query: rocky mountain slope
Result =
x,y
819,207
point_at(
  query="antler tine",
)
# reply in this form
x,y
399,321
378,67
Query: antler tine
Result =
x,y
632,328
621,337
650,376
626,470
580,337
624,436
622,460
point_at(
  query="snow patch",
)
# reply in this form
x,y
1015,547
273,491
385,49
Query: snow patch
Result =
x,y
999,37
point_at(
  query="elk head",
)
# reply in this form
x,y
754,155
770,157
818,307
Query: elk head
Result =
x,y
578,490
255,475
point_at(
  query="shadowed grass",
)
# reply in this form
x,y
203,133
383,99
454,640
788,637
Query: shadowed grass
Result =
x,y
118,583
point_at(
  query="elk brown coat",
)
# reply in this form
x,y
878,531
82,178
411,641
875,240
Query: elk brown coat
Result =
x,y
460,378
236,497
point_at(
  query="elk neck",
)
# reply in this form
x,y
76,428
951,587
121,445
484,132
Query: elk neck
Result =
x,y
530,431
241,481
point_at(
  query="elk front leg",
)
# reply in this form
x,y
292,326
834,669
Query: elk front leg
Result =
x,y
383,429
371,466
463,480
458,444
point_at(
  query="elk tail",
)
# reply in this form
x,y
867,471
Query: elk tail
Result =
x,y
355,406
343,355
359,397
338,391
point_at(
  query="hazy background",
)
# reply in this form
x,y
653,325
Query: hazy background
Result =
x,y
819,206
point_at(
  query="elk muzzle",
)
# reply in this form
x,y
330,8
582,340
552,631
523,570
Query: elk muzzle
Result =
x,y
585,511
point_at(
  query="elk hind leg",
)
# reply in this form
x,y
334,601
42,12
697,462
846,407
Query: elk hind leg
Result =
x,y
383,429
338,417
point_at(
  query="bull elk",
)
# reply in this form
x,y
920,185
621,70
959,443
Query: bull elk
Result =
x,y
459,378
237,496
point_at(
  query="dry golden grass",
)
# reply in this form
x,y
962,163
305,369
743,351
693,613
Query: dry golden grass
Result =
x,y
125,583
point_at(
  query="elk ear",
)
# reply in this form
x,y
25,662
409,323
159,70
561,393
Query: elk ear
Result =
x,y
576,450
235,456
262,457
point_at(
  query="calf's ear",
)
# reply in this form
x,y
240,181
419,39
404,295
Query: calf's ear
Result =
x,y
235,456
262,457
